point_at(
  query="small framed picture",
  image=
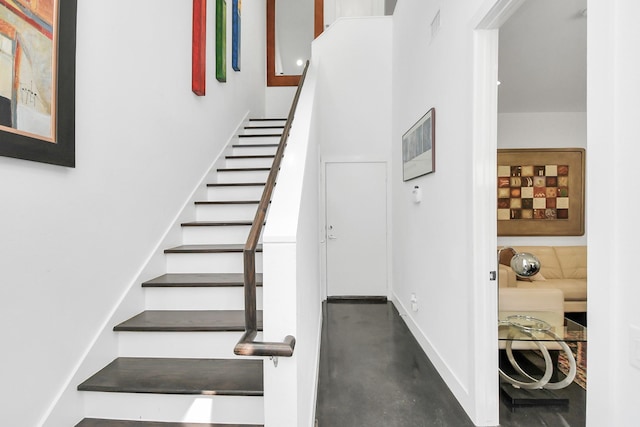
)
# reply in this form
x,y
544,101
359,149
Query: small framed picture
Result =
x,y
418,147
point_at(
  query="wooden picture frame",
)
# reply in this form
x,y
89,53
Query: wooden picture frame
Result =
x,y
419,147
43,131
274,79
540,192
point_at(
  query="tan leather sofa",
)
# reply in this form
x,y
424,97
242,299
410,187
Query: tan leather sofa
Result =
x,y
562,267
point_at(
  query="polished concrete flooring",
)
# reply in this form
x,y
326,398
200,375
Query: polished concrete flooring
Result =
x,y
373,373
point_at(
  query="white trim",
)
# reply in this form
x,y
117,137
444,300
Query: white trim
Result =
x,y
314,397
493,13
604,243
484,302
456,386
484,305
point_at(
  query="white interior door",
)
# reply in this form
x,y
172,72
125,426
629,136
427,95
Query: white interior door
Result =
x,y
356,221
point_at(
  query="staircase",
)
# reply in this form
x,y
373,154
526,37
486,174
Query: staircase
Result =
x,y
176,366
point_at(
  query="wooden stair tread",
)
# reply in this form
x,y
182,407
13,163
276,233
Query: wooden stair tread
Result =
x,y
266,135
216,223
236,184
243,169
227,202
101,422
270,119
179,280
231,377
254,156
187,321
208,249
265,127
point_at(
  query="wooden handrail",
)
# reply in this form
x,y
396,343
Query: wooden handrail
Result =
x,y
247,346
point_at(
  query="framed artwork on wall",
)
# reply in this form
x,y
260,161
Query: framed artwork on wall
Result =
x,y
199,47
236,34
37,80
221,40
418,147
540,192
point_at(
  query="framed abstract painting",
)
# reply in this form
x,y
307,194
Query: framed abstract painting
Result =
x,y
221,40
37,80
540,192
199,48
418,147
236,34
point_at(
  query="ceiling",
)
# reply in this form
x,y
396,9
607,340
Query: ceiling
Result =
x,y
543,58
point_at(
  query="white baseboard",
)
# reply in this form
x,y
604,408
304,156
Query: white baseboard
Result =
x,y
314,397
453,382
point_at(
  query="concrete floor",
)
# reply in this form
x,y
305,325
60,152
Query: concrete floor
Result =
x,y
373,373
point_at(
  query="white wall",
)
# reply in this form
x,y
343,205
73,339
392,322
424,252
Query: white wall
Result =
x,y
433,240
354,71
292,306
278,101
542,130
335,9
74,240
354,57
613,129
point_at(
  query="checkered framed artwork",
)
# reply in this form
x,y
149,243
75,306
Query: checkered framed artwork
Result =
x,y
540,192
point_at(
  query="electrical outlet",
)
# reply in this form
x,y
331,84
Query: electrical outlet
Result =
x,y
414,302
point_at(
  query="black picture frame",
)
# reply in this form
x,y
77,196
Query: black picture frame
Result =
x,y
62,152
419,147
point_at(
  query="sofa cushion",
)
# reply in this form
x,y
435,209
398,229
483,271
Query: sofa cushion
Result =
x,y
573,289
549,265
573,261
536,277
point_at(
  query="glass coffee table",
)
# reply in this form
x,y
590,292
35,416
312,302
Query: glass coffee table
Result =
x,y
542,331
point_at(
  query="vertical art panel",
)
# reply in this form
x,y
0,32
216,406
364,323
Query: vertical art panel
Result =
x,y
37,80
199,47
236,32
221,40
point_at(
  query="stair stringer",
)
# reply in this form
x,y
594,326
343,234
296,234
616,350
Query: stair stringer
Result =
x,y
68,406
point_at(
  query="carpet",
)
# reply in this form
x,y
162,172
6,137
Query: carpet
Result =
x,y
579,350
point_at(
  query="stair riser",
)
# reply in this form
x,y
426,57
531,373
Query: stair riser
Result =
x,y
175,408
276,122
253,151
201,345
218,298
209,263
259,140
252,192
230,177
262,131
249,163
215,234
244,212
